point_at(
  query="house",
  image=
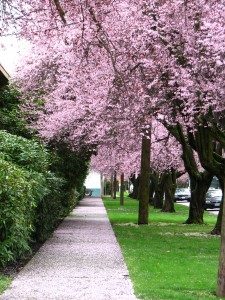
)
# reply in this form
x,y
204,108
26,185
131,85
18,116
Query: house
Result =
x,y
4,76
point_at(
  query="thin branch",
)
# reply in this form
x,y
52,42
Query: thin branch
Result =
x,y
60,11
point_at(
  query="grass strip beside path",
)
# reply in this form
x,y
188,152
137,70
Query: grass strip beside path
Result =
x,y
4,282
166,259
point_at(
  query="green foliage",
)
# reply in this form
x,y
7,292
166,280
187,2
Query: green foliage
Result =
x,y
4,283
166,259
39,185
73,166
10,113
19,194
49,211
27,153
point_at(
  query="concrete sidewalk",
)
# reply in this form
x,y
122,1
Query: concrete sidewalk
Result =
x,y
81,261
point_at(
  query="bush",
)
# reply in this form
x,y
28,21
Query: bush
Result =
x,y
49,211
33,200
19,195
38,187
29,154
25,182
10,113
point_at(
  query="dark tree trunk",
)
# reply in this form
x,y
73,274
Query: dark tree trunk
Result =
x,y
200,181
144,182
111,185
122,189
221,272
114,185
211,158
159,192
169,187
199,188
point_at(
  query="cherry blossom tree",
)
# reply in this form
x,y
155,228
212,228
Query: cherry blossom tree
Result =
x,y
160,58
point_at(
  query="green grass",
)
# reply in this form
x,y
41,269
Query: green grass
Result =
x,y
4,283
167,259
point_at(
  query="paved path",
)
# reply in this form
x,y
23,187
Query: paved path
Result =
x,y
81,261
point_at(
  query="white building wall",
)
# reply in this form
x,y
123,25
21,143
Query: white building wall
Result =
x,y
93,182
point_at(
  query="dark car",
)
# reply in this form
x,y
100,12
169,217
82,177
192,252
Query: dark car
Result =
x,y
182,194
213,198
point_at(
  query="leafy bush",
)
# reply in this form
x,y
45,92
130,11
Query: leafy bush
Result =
x,y
33,199
27,153
18,200
39,185
10,113
49,211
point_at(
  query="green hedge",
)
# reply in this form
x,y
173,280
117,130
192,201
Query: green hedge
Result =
x,y
19,195
39,184
33,199
26,153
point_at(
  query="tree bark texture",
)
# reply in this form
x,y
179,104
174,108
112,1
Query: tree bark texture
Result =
x,y
221,272
200,181
122,189
169,188
144,182
199,188
159,192
114,185
111,186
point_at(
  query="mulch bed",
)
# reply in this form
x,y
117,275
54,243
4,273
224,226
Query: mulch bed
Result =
x,y
14,268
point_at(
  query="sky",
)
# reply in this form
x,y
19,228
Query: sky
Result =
x,y
11,52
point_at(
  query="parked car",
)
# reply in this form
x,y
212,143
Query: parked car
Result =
x,y
213,198
182,194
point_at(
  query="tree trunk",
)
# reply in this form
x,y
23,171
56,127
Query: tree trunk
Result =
x,y
159,192
122,189
221,272
114,185
111,182
169,188
144,182
199,188
200,181
136,187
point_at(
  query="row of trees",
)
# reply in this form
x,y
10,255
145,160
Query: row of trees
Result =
x,y
129,77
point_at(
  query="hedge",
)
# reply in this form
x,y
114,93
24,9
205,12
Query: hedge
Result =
x,y
33,199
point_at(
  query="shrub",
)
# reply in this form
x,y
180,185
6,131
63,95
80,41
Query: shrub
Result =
x,y
19,195
29,154
38,187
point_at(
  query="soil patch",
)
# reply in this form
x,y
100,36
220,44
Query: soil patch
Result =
x,y
13,268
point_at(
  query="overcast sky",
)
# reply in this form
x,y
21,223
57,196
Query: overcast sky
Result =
x,y
11,53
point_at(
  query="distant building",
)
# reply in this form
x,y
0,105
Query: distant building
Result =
x,y
93,183
4,76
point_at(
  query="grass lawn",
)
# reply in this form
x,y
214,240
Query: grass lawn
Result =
x,y
4,283
166,259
